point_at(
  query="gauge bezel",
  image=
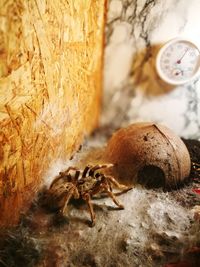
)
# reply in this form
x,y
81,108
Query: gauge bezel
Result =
x,y
162,74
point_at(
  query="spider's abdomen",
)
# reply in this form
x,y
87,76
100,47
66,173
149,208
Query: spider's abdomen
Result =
x,y
56,194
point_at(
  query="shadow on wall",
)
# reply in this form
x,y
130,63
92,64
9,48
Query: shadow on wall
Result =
x,y
144,74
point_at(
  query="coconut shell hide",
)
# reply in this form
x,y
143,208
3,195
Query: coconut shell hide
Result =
x,y
149,154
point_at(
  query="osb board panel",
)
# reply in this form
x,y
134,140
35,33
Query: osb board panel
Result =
x,y
50,89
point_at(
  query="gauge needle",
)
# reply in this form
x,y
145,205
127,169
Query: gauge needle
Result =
x,y
179,60
179,72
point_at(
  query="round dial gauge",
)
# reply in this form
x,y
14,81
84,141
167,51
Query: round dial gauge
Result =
x,y
178,61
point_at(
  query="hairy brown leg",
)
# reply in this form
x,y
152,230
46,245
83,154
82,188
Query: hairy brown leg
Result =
x,y
118,185
90,170
67,198
87,198
111,195
101,166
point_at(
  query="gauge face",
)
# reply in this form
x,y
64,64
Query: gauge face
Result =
x,y
178,61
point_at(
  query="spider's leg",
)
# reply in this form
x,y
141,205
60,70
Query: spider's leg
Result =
x,y
85,171
68,170
90,170
108,182
101,166
67,198
110,185
117,184
87,198
111,195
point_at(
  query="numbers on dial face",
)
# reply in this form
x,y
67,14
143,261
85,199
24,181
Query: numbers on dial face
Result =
x,y
180,61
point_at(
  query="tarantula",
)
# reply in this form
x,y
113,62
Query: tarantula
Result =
x,y
82,184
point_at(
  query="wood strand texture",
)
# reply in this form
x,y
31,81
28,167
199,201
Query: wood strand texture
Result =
x,y
50,89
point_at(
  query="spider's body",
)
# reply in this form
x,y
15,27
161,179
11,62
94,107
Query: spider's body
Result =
x,y
82,184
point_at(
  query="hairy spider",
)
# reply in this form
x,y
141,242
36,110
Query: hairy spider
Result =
x,y
82,184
